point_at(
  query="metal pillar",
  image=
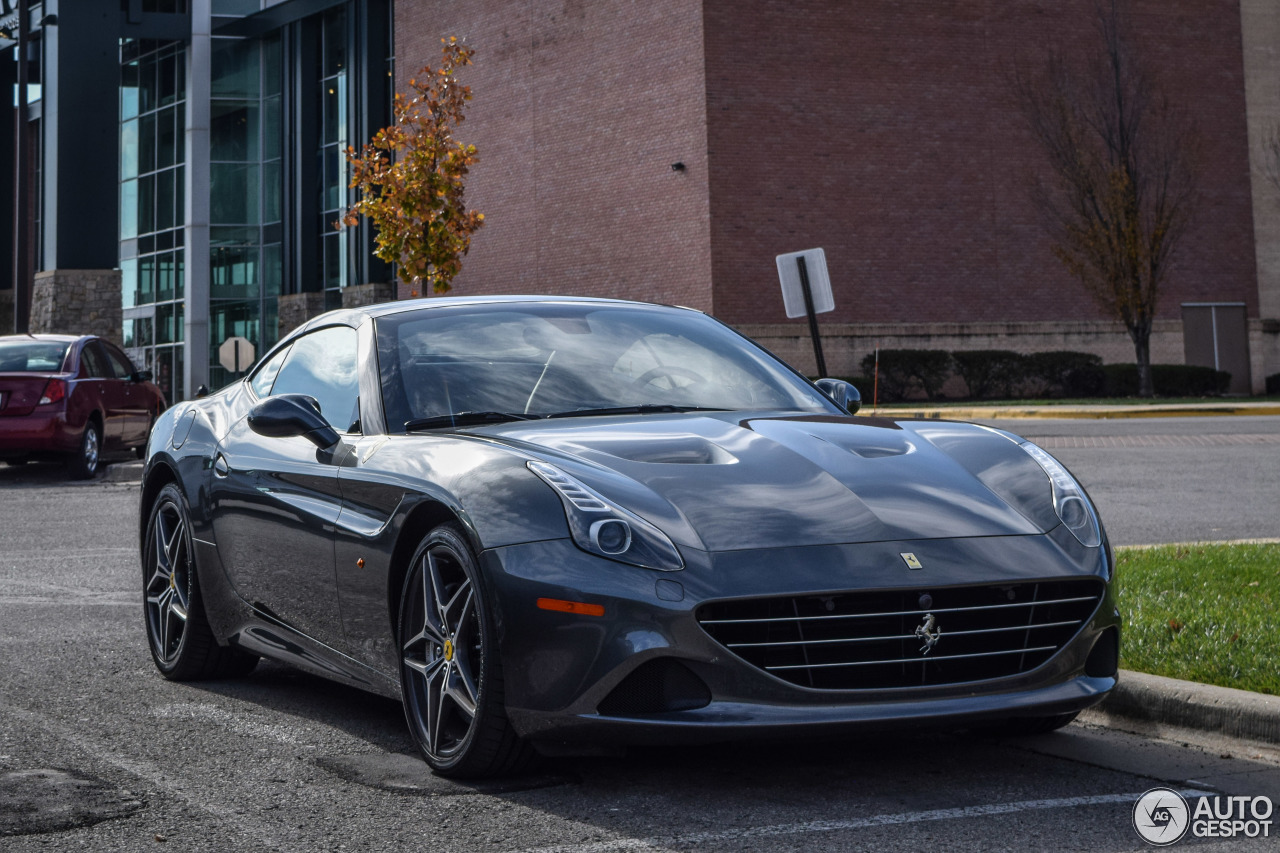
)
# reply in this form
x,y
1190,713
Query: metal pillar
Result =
x,y
22,213
195,366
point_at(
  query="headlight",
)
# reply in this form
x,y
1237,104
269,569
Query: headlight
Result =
x,y
601,527
1068,498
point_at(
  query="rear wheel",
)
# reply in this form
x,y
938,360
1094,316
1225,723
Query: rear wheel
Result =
x,y
450,671
178,633
83,464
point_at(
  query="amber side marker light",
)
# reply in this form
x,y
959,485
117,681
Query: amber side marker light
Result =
x,y
571,607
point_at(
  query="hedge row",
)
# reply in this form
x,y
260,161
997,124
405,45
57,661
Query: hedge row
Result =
x,y
916,373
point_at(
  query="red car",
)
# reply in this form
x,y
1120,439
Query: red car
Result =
x,y
76,398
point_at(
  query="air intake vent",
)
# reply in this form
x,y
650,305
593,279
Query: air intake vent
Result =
x,y
904,638
655,687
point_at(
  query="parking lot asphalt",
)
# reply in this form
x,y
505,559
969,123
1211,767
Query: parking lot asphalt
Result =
x,y
98,752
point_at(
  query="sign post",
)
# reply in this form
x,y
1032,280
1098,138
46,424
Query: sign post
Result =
x,y
806,290
236,354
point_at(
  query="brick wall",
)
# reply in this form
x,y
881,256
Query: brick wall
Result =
x,y
885,133
579,109
882,131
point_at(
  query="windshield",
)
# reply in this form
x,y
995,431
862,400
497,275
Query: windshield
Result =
x,y
26,356
542,359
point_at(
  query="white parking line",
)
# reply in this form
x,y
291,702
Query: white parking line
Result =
x,y
696,839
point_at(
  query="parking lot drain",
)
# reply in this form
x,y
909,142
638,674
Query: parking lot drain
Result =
x,y
409,774
50,800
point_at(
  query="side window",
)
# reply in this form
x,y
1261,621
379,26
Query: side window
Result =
x,y
261,381
93,363
120,364
323,365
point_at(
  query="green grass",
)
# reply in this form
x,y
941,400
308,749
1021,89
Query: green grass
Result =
x,y
1204,613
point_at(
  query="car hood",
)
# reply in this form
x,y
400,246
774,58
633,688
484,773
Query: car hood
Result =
x,y
734,481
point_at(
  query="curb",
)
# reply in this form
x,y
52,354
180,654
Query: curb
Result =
x,y
1095,412
123,472
1153,699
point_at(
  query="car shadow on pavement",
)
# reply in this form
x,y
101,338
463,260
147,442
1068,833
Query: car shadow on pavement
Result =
x,y
284,690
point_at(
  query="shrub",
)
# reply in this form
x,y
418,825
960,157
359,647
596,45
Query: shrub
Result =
x,y
990,372
864,384
1065,373
1121,380
904,372
1273,383
1188,380
1169,380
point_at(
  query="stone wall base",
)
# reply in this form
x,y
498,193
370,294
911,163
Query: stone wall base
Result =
x,y
77,302
294,309
6,312
358,295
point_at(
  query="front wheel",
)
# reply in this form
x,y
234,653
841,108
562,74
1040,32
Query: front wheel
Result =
x,y
450,671
178,633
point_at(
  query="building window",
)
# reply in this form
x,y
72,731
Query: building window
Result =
x,y
245,201
152,180
332,140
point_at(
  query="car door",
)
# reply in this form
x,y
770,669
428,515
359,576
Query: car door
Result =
x,y
137,418
277,499
103,392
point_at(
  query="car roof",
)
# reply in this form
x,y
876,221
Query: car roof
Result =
x,y
354,316
45,337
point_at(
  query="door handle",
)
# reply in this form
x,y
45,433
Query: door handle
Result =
x,y
220,466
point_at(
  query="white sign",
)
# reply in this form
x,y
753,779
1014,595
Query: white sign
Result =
x,y
236,354
815,262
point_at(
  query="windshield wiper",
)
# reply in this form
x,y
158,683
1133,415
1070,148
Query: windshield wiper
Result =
x,y
633,410
465,419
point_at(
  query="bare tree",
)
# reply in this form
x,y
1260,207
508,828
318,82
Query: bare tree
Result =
x,y
1121,183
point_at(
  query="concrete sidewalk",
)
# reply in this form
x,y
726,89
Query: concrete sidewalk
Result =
x,y
979,412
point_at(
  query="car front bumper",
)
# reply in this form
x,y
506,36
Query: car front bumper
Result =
x,y
561,668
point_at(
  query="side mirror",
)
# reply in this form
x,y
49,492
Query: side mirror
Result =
x,y
844,394
289,415
141,376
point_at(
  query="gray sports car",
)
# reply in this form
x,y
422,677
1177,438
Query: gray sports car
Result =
x,y
551,523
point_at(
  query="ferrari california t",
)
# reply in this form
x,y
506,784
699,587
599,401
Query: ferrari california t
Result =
x,y
552,523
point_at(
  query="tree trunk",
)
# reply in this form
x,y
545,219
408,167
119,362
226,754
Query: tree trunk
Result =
x,y
1142,349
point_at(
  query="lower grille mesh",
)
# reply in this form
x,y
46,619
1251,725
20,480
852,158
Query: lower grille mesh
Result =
x,y
887,638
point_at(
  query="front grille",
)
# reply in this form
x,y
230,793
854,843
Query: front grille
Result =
x,y
875,639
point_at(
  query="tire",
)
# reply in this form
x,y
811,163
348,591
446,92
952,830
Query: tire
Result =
x,y
84,463
1036,725
450,668
178,633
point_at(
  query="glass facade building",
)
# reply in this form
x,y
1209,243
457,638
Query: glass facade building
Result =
x,y
232,174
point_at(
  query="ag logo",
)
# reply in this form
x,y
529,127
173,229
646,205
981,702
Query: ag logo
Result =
x,y
1161,816
911,560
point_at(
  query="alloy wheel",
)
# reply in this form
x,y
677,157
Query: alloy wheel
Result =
x,y
442,658
168,588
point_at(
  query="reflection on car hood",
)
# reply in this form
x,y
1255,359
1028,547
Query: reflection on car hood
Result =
x,y
732,481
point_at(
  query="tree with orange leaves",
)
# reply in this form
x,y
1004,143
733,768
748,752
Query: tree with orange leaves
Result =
x,y
410,177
